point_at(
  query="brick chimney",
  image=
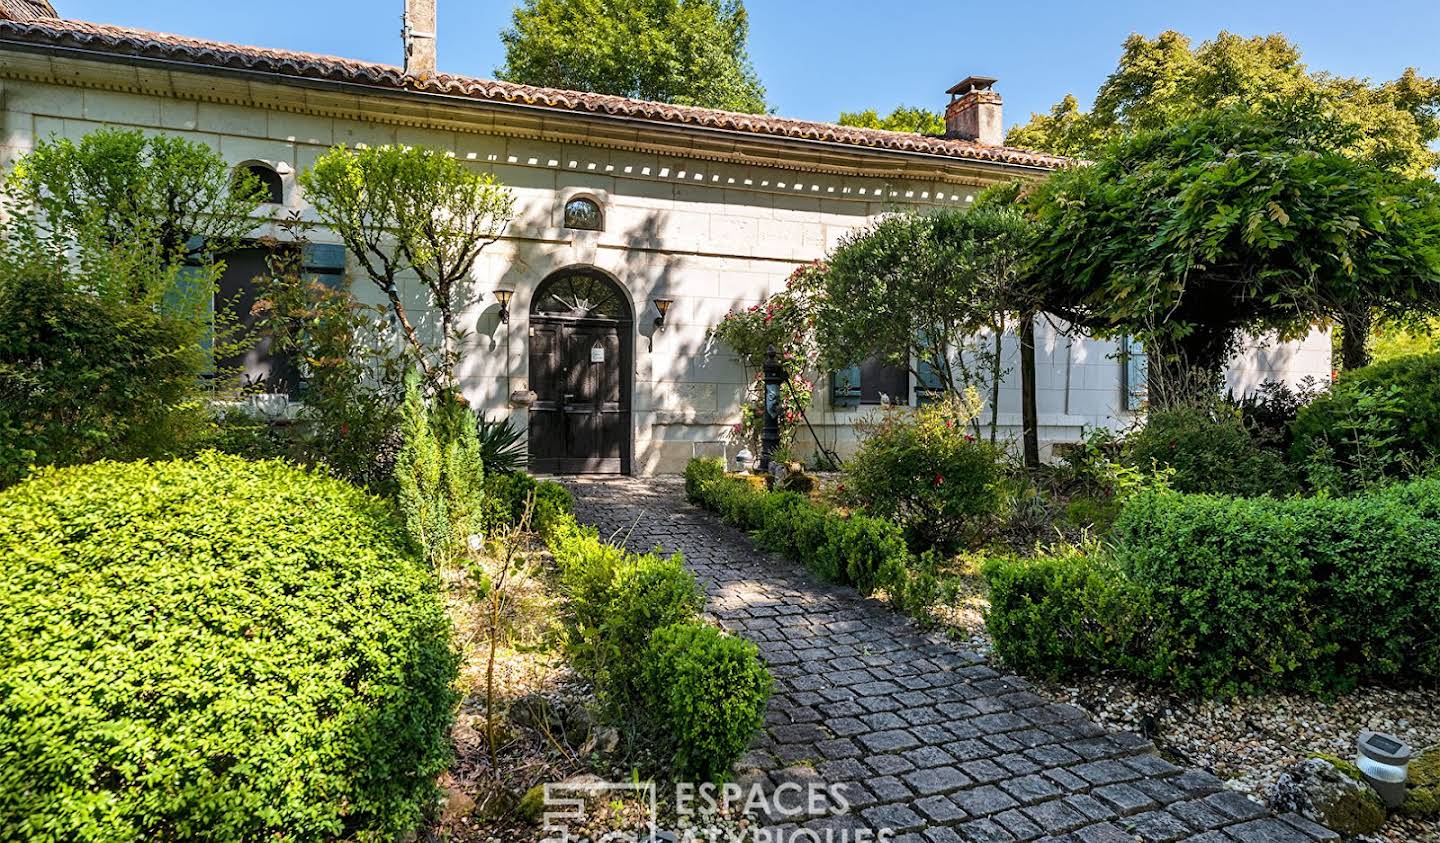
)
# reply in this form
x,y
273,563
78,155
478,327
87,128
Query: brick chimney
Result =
x,y
419,37
974,112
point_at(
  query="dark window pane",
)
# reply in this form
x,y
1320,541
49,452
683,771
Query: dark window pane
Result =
x,y
272,187
879,378
583,214
580,295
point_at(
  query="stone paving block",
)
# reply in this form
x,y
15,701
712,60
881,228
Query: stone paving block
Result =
x,y
984,801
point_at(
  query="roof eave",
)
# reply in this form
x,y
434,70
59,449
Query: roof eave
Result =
x,y
583,117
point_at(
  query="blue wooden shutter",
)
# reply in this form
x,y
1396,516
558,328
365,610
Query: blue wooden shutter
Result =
x,y
845,387
327,261
1134,373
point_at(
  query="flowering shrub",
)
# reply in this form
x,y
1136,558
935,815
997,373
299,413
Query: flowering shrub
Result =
x,y
922,470
781,322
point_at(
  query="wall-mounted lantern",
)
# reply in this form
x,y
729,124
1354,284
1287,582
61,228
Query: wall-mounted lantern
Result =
x,y
503,296
663,306
1384,760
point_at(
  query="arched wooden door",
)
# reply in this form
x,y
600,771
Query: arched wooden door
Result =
x,y
581,353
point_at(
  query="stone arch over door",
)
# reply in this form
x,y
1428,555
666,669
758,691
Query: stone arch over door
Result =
x,y
582,352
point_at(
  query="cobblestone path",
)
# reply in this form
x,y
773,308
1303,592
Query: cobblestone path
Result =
x,y
927,739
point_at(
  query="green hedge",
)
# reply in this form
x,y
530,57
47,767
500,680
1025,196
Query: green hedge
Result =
x,y
215,649
1238,595
1399,397
634,629
850,549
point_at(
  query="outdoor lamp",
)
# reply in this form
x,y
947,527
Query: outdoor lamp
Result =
x,y
503,296
1384,760
662,305
743,460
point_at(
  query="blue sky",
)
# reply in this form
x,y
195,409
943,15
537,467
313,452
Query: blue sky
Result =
x,y
818,57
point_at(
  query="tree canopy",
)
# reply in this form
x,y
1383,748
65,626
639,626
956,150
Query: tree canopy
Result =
x,y
410,209
687,52
920,121
1229,222
1164,80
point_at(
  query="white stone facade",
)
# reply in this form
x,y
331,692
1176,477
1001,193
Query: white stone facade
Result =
x,y
713,225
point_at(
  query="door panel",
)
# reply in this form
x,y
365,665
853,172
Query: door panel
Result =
x,y
580,421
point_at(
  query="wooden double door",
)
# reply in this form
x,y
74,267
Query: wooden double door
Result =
x,y
580,419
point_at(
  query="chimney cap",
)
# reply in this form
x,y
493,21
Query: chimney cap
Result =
x,y
973,83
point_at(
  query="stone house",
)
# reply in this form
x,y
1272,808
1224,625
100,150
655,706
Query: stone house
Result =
x,y
639,224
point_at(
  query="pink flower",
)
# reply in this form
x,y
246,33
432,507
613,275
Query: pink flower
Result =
x,y
939,480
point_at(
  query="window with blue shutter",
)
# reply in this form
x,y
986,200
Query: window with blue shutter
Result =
x,y
327,261
1134,373
845,387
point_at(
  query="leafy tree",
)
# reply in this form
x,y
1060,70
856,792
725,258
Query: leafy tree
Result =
x,y
1163,81
919,121
1226,223
918,288
406,209
123,189
687,52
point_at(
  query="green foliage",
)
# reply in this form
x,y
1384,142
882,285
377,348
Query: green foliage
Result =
x,y
1259,593
352,374
125,186
502,446
215,649
859,550
916,121
1208,449
420,482
1231,222
1379,421
84,377
508,495
617,600
1163,81
921,470
710,691
782,322
1269,412
406,209
688,52
634,630
920,287
1067,613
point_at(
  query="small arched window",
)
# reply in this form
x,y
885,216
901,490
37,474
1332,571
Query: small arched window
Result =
x,y
583,214
272,187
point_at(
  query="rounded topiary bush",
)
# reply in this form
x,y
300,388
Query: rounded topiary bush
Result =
x,y
1209,452
708,692
214,649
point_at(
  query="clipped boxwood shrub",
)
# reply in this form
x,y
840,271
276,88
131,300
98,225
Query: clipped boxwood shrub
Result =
x,y
709,692
1400,397
617,600
866,552
1210,451
215,649
1315,593
1068,614
507,496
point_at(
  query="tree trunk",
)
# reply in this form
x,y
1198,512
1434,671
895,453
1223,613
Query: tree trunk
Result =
x,y
1187,370
1354,334
995,388
1030,415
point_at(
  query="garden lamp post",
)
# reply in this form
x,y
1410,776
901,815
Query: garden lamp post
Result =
x,y
1384,760
770,433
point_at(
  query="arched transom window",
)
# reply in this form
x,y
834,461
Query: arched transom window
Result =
x,y
583,214
580,294
272,187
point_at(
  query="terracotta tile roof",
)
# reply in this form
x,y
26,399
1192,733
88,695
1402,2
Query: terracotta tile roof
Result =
x,y
123,41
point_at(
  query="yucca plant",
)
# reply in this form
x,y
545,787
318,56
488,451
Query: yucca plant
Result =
x,y
501,447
